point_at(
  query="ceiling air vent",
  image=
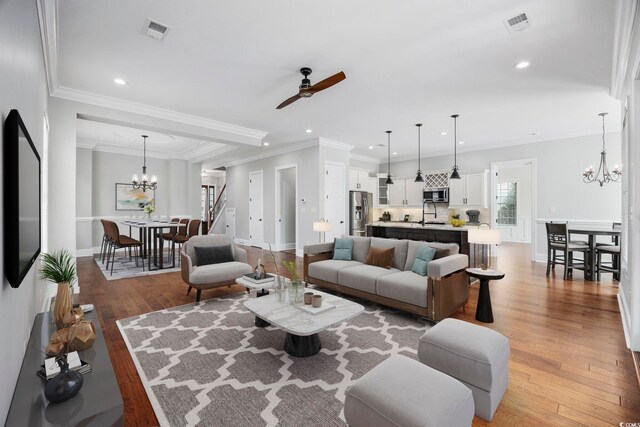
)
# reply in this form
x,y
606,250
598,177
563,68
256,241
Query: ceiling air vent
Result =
x,y
155,29
517,23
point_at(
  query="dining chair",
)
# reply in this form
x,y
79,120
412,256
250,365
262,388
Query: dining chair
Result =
x,y
181,231
121,241
613,250
194,230
105,241
560,250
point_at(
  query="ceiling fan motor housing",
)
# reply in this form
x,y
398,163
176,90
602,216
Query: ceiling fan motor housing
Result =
x,y
306,83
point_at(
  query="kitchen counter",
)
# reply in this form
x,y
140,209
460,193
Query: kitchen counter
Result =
x,y
409,224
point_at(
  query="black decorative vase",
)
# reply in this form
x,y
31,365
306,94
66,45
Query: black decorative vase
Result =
x,y
65,385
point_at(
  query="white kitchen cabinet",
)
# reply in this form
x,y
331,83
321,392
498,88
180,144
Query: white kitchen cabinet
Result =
x,y
405,193
470,191
382,191
358,180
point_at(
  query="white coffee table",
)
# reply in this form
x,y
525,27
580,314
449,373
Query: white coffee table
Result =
x,y
302,328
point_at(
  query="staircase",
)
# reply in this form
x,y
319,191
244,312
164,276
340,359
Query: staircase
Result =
x,y
216,213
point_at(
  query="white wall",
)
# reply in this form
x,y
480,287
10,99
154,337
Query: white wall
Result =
x,y
287,210
560,191
23,86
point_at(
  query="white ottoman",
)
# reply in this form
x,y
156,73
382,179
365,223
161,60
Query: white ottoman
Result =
x,y
475,355
403,392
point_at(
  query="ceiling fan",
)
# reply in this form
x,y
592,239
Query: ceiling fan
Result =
x,y
307,91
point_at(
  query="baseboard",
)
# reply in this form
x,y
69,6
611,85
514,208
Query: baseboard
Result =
x,y
625,316
85,252
635,356
541,258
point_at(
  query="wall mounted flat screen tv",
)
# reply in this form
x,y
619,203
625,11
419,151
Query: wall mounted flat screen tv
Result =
x,y
22,216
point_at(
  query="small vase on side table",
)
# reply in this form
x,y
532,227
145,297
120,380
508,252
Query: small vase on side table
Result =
x,y
63,304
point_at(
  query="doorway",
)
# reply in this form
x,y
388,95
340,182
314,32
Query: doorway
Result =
x,y
513,200
256,209
286,218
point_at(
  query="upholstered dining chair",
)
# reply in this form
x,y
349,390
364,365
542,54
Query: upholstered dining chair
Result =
x,y
181,231
194,230
560,250
121,241
105,241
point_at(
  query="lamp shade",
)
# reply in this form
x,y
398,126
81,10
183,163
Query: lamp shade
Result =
x,y
484,236
322,226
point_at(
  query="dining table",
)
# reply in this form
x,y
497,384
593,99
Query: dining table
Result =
x,y
592,233
150,232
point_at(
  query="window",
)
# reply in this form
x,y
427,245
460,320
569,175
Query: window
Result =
x,y
507,196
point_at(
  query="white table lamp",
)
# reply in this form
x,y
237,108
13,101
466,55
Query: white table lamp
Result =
x,y
322,226
484,237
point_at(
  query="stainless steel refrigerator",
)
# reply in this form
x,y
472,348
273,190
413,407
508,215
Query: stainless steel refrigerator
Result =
x,y
360,211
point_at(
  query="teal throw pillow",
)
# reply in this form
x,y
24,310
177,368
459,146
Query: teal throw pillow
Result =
x,y
423,258
343,249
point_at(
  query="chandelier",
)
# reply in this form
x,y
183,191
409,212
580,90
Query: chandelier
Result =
x,y
145,183
589,176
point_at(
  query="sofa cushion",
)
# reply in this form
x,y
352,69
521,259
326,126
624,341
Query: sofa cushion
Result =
x,y
380,257
423,258
363,277
216,254
328,270
405,286
216,273
360,248
343,249
442,250
400,252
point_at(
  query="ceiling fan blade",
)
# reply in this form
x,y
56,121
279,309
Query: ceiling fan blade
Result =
x,y
293,99
328,82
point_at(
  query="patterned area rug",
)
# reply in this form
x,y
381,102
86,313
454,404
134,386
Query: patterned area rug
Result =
x,y
124,268
207,364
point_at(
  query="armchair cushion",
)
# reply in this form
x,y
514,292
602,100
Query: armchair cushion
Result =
x,y
216,273
215,254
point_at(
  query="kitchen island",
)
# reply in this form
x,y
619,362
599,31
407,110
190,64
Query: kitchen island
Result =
x,y
444,233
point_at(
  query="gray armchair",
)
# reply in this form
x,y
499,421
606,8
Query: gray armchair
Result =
x,y
216,274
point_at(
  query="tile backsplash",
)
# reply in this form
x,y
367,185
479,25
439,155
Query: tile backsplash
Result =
x,y
415,214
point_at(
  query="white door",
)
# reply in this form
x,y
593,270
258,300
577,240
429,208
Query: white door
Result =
x,y
396,193
256,205
231,224
475,189
335,199
413,192
456,192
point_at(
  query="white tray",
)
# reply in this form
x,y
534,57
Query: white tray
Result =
x,y
308,308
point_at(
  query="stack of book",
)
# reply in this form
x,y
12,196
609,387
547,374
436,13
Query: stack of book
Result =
x,y
258,280
50,368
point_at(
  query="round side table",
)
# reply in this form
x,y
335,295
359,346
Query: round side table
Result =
x,y
484,313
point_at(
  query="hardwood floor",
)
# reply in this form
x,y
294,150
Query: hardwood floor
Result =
x,y
569,364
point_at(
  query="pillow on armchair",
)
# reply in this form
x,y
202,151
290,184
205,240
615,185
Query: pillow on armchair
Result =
x,y
216,254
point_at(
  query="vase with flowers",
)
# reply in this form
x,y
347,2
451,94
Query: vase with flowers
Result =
x,y
296,290
149,209
59,267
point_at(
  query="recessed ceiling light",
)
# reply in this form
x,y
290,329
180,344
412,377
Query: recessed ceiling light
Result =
x,y
520,65
119,81
460,142
395,154
371,147
443,133
266,144
534,133
308,130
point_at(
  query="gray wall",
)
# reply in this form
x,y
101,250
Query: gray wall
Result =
x,y
561,194
307,161
287,206
23,86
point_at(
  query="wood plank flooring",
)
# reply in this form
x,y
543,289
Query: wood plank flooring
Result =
x,y
569,364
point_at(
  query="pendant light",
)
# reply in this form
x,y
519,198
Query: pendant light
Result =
x,y
389,180
455,174
419,177
145,183
588,176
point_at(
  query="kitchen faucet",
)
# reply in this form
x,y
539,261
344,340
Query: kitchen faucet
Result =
x,y
434,213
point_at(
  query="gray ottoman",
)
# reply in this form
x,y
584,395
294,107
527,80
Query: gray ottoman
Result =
x,y
475,355
403,392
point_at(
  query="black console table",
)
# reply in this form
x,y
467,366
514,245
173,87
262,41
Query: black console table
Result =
x,y
98,403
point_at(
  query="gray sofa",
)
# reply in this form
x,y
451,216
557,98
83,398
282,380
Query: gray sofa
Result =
x,y
212,275
436,296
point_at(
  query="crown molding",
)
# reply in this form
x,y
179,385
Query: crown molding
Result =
x,y
363,158
296,146
191,155
336,145
626,14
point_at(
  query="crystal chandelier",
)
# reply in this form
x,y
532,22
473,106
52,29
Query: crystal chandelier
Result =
x,y
145,183
589,176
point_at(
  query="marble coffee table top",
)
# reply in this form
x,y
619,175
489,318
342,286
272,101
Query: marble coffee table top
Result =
x,y
297,322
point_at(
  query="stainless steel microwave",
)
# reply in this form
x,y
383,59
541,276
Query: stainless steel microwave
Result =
x,y
436,195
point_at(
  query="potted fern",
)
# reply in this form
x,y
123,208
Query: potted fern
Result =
x,y
59,267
